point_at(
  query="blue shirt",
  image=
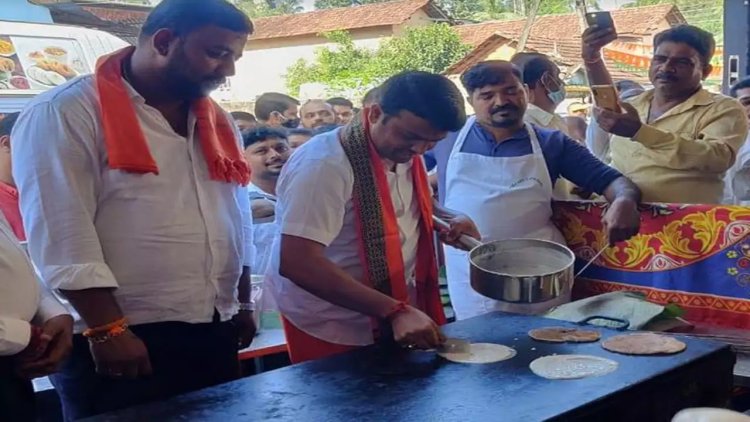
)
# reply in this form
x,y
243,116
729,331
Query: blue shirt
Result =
x,y
565,157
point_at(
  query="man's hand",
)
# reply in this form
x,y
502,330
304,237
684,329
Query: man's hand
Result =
x,y
245,328
59,331
123,356
460,225
594,39
625,124
412,327
622,220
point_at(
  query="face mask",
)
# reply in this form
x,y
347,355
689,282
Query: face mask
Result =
x,y
558,96
291,123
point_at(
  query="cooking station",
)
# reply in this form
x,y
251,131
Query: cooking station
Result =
x,y
422,386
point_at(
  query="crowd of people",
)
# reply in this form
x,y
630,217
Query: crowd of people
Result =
x,y
146,207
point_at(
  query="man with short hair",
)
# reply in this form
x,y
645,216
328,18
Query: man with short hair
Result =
x,y
546,92
500,171
737,181
132,188
343,108
677,140
277,110
8,191
298,137
244,120
266,151
316,113
356,249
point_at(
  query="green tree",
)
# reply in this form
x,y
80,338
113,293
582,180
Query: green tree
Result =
x,y
431,48
262,8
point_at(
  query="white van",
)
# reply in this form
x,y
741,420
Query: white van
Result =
x,y
36,57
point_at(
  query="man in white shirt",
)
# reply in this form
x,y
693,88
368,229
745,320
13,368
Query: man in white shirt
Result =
x,y
546,91
132,186
356,248
737,181
266,150
35,330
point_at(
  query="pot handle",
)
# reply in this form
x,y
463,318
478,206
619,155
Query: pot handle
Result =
x,y
465,240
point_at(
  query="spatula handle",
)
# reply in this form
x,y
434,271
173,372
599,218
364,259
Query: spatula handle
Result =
x,y
466,240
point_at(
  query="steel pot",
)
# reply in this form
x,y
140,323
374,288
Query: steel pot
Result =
x,y
520,271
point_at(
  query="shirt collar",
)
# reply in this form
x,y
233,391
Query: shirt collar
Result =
x,y
700,98
8,190
540,116
486,136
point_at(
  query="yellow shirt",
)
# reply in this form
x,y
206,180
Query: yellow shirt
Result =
x,y
552,121
682,156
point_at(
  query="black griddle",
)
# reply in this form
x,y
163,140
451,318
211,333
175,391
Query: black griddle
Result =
x,y
423,387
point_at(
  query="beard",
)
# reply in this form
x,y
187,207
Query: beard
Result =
x,y
183,85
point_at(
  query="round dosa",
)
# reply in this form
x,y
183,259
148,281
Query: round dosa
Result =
x,y
481,353
564,334
568,367
643,344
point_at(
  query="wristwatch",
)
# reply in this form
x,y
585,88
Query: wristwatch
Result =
x,y
247,306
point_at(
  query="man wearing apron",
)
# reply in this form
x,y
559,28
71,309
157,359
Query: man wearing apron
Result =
x,y
500,171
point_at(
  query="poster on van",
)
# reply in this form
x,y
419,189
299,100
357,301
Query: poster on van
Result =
x,y
38,63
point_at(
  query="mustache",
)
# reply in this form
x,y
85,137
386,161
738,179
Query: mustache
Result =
x,y
507,107
665,76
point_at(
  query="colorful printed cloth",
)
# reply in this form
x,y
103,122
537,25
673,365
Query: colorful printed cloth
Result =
x,y
696,256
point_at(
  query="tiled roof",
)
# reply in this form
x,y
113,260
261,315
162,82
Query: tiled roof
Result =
x,y
566,52
342,18
628,21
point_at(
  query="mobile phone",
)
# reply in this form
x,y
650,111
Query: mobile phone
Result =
x,y
600,19
605,96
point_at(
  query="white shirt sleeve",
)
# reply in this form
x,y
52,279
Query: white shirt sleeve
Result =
x,y
49,305
597,140
312,200
56,169
14,335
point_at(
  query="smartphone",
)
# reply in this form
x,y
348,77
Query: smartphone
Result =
x,y
600,19
605,96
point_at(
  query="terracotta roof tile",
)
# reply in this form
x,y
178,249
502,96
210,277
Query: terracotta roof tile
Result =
x,y
628,21
342,18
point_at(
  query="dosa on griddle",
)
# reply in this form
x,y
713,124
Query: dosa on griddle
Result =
x,y
564,334
568,367
481,353
643,344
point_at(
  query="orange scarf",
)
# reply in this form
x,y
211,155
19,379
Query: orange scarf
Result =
x,y
380,243
127,148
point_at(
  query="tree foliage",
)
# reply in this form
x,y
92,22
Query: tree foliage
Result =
x,y
263,8
346,67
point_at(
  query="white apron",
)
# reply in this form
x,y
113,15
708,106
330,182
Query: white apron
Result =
x,y
507,197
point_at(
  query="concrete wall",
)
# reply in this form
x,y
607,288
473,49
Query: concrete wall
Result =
x,y
264,64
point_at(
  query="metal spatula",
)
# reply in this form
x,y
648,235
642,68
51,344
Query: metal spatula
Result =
x,y
591,261
454,345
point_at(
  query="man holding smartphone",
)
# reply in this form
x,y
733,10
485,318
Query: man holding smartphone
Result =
x,y
677,140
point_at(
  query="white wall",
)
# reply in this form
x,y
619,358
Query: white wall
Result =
x,y
263,70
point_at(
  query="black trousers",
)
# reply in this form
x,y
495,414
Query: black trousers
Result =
x,y
184,357
16,395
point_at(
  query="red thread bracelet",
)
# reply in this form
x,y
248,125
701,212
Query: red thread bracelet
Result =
x,y
397,308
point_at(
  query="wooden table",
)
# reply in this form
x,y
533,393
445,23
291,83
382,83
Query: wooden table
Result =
x,y
421,386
